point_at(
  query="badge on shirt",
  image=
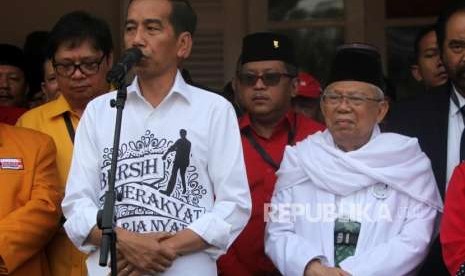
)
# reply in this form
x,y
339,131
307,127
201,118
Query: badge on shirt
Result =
x,y
345,239
11,164
381,191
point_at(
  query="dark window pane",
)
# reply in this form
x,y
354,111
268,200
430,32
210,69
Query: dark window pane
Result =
x,y
315,48
414,8
282,10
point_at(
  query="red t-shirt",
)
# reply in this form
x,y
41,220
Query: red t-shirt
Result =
x,y
9,115
247,256
453,222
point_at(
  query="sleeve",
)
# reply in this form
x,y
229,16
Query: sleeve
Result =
x,y
453,222
25,231
404,252
221,225
81,204
288,250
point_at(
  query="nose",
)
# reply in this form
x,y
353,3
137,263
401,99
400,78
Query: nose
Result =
x,y
138,39
77,74
259,84
4,81
344,105
439,62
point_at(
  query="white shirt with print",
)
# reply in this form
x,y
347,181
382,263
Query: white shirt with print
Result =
x,y
190,140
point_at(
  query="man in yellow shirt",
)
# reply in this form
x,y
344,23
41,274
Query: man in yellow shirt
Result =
x,y
80,47
30,200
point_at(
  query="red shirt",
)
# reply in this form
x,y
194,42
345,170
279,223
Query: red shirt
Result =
x,y
9,115
247,256
453,222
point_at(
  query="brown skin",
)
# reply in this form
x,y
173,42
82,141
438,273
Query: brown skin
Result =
x,y
453,54
429,70
148,28
266,105
79,89
50,84
13,86
351,126
315,268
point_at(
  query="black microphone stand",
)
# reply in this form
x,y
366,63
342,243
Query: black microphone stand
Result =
x,y
106,217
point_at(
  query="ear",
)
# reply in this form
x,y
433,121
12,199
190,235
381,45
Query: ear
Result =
x,y
235,87
415,70
383,109
184,45
322,107
294,87
109,60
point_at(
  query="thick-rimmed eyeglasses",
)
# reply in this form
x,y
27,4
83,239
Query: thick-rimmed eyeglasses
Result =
x,y
333,98
268,79
88,68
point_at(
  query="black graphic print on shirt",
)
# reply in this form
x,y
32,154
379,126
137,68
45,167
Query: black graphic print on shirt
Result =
x,y
158,186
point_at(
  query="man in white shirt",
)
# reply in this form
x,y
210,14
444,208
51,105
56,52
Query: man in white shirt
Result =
x,y
352,200
180,227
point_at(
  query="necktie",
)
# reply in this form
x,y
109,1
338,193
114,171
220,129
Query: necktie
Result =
x,y
455,100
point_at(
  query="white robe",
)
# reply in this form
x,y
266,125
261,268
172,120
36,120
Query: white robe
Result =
x,y
396,224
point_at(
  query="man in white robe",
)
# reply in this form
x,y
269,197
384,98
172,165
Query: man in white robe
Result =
x,y
351,200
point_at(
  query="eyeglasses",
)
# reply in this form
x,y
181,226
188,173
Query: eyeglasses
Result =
x,y
88,68
332,98
268,79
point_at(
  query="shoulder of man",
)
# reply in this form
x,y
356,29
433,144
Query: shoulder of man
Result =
x,y
416,112
29,137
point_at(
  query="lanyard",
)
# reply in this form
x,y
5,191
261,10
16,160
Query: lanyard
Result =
x,y
69,126
247,131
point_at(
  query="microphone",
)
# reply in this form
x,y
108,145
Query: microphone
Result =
x,y
118,72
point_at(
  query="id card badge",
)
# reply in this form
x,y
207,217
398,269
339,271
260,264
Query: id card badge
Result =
x,y
345,239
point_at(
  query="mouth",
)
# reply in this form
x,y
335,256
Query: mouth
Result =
x,y
6,97
344,122
260,99
80,88
442,75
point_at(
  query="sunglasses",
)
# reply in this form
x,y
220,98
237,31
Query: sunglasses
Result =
x,y
268,79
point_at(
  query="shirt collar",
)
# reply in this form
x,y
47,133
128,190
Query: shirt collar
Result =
x,y
58,107
180,87
454,109
290,117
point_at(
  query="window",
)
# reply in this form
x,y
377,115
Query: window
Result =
x,y
316,28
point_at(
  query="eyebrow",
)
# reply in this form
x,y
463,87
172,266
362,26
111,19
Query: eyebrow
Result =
x,y
145,21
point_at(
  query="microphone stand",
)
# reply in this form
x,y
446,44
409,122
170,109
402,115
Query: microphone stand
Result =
x,y
106,217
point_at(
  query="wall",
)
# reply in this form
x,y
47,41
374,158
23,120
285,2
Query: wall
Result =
x,y
18,18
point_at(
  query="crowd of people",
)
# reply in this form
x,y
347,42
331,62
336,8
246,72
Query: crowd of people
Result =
x,y
279,174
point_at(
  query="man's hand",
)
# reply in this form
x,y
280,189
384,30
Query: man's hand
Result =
x,y
315,268
125,268
144,252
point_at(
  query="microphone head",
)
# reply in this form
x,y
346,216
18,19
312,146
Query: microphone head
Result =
x,y
131,56
119,71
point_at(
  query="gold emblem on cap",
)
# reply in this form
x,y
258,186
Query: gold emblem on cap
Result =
x,y
276,44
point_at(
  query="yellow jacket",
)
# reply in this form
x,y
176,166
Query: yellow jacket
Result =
x,y
64,259
30,197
